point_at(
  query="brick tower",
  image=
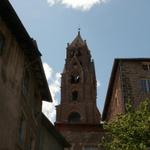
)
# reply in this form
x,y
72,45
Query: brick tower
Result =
x,y
77,113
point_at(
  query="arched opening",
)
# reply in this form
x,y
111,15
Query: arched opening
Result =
x,y
74,96
75,65
78,53
75,52
75,78
72,53
74,117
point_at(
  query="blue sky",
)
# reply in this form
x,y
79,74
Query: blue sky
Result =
x,y
112,28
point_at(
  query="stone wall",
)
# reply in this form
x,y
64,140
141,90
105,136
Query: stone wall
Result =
x,y
10,85
14,102
79,140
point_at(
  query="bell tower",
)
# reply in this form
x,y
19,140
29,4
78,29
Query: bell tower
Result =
x,y
77,116
78,87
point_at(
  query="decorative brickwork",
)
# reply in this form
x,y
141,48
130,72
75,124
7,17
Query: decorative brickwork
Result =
x,y
77,111
132,78
126,85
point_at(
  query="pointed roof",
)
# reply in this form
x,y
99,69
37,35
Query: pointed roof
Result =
x,y
27,44
53,132
78,40
14,23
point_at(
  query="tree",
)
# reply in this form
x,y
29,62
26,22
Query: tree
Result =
x,y
129,131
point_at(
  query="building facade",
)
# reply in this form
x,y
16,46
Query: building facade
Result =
x,y
78,118
130,80
23,86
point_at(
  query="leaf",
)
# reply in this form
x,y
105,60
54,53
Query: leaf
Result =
x,y
129,131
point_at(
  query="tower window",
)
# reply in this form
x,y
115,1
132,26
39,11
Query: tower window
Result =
x,y
1,43
75,52
75,78
74,95
78,53
72,53
145,85
74,117
75,65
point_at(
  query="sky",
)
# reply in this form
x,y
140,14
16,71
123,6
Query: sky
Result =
x,y
112,29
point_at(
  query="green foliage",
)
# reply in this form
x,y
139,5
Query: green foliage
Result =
x,y
130,131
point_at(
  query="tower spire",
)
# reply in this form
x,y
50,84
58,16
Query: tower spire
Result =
x,y
78,40
77,110
78,86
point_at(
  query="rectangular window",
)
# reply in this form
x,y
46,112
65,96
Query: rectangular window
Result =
x,y
22,129
31,142
25,83
145,85
1,43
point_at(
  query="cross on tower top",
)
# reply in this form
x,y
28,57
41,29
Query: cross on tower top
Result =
x,y
79,29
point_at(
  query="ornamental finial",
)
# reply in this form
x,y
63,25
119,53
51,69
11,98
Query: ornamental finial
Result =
x,y
79,30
